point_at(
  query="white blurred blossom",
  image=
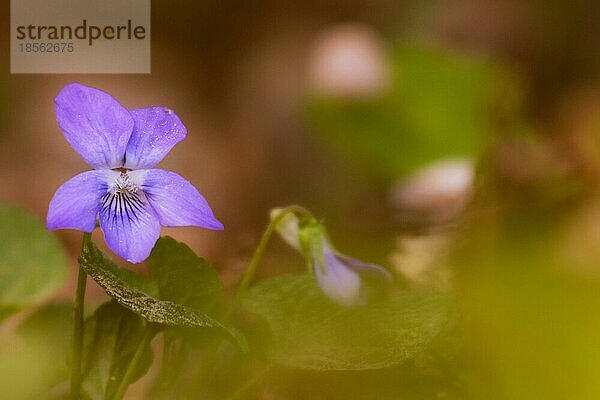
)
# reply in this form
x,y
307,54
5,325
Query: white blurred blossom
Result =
x,y
349,60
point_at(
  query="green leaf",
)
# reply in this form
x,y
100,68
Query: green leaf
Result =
x,y
134,280
112,336
33,264
185,278
309,331
109,277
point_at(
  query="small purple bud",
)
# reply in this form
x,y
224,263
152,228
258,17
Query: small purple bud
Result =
x,y
336,279
345,280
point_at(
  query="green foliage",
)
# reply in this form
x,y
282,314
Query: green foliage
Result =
x,y
133,279
32,263
33,360
309,331
112,336
185,278
112,279
532,299
432,110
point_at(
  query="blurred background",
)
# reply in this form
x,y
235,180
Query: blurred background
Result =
x,y
454,142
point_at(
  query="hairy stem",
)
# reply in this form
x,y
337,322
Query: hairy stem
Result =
x,y
258,253
212,356
78,327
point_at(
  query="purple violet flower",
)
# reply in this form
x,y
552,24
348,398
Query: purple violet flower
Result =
x,y
345,280
130,198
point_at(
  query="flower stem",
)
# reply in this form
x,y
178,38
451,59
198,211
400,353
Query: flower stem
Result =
x,y
78,327
133,365
212,356
258,253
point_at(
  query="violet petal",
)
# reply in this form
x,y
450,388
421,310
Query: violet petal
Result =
x,y
156,130
76,203
365,269
176,201
130,230
95,124
338,282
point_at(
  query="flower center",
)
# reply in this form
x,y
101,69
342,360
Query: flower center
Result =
x,y
124,185
124,198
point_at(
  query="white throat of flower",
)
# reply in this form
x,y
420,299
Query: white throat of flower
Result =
x,y
124,198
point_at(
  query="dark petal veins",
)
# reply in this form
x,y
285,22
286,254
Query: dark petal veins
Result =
x,y
123,205
129,224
